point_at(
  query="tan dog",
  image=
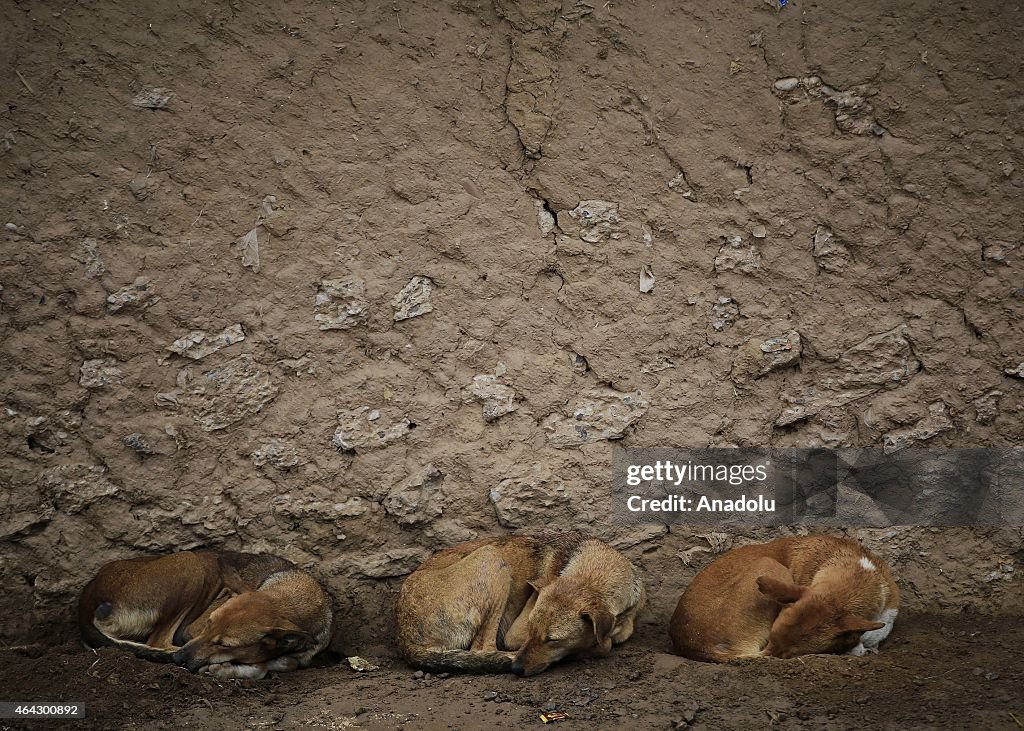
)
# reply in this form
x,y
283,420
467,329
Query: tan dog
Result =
x,y
233,615
790,597
517,604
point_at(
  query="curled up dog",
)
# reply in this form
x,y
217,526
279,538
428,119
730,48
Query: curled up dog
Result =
x,y
517,604
793,596
229,614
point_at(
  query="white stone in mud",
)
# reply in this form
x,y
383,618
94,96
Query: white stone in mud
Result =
x,y
756,357
88,253
385,564
734,255
138,293
277,453
936,422
879,362
302,507
596,415
227,394
357,431
417,499
340,303
72,488
986,408
445,532
199,344
99,372
53,430
829,254
535,500
724,313
853,112
545,219
593,221
497,399
414,299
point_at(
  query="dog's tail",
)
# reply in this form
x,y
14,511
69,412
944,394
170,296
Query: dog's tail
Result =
x,y
460,661
144,652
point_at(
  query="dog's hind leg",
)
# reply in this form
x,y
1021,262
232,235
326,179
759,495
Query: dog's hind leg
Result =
x,y
516,635
493,611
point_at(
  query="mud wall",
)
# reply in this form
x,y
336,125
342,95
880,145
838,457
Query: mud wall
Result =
x,y
351,283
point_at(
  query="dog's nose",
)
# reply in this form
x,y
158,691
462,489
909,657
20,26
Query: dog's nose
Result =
x,y
517,667
180,658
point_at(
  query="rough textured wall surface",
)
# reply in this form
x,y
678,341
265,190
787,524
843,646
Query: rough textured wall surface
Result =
x,y
354,282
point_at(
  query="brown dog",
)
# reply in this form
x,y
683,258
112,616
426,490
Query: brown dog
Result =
x,y
233,615
793,596
517,604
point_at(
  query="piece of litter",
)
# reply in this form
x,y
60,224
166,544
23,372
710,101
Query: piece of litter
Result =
x,y
646,279
153,98
361,664
552,716
250,247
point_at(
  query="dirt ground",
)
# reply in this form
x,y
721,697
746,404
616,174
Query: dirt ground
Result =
x,y
936,672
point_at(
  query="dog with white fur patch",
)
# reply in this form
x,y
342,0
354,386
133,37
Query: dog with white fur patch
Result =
x,y
793,596
228,614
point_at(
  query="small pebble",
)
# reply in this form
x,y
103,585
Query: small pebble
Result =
x,y
418,675
787,84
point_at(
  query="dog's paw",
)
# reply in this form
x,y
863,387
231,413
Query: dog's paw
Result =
x,y
858,651
283,664
227,670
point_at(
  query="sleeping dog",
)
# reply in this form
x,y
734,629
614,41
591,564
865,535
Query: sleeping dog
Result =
x,y
229,614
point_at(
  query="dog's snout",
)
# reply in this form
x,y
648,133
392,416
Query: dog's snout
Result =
x,y
180,658
517,666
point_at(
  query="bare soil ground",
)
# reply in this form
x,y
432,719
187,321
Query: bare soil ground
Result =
x,y
938,672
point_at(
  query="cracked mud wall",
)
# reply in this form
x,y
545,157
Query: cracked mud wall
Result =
x,y
353,283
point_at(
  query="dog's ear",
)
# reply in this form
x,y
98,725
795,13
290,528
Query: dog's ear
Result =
x,y
853,623
289,639
780,591
603,622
